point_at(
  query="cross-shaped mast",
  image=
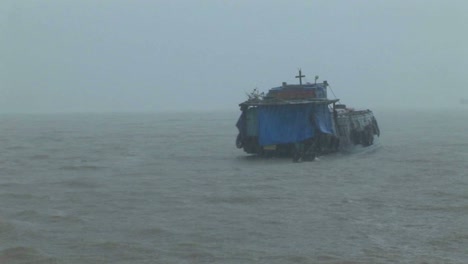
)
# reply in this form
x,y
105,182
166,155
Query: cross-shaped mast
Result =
x,y
300,76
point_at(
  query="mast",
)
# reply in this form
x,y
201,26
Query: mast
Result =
x,y
300,77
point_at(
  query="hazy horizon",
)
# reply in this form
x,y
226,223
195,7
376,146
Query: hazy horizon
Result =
x,y
160,56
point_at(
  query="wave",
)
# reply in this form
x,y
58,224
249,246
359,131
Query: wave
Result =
x,y
79,183
233,199
52,216
22,255
80,167
7,230
40,157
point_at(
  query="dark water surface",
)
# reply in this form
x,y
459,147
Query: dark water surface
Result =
x,y
172,188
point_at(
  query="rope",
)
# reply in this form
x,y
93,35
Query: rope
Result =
x,y
334,94
332,91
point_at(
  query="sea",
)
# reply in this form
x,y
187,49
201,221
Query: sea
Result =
x,y
173,188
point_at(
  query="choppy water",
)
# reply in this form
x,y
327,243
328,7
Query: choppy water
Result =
x,y
172,188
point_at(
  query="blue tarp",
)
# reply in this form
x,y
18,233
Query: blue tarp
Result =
x,y
241,125
284,124
323,119
292,123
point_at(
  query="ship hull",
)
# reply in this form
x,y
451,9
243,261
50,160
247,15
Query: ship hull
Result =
x,y
301,122
348,128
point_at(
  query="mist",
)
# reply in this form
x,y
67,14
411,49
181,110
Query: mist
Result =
x,y
151,56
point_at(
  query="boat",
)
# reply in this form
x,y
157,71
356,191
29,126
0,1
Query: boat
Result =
x,y
300,121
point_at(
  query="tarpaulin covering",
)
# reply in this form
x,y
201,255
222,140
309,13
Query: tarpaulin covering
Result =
x,y
292,123
284,124
323,119
242,124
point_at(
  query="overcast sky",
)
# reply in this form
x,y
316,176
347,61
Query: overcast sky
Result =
x,y
131,55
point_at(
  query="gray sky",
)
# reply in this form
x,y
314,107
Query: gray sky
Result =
x,y
127,55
